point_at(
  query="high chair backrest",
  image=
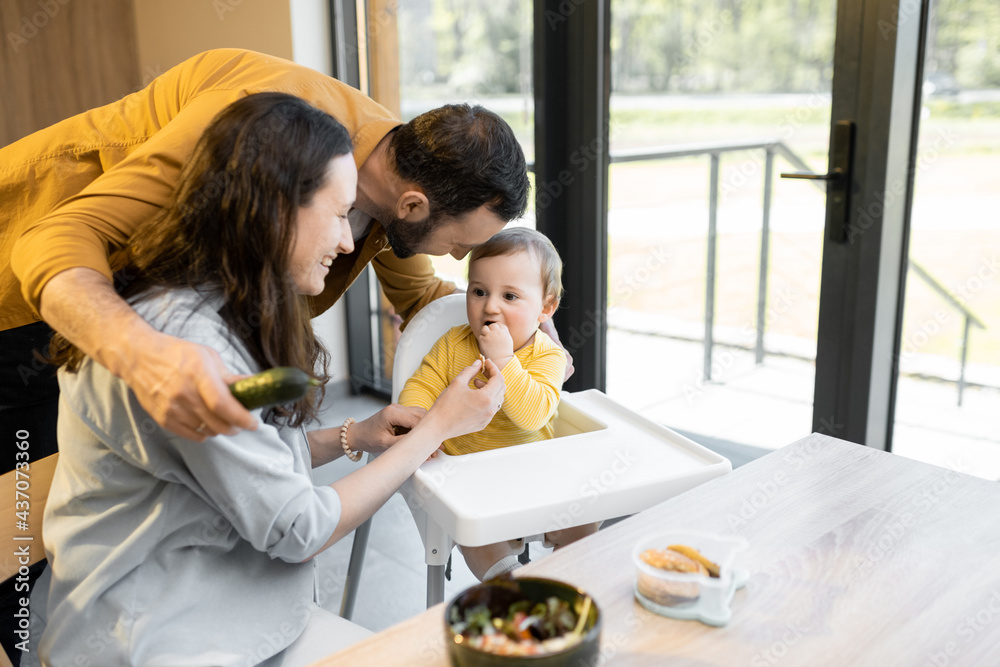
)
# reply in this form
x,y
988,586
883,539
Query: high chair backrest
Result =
x,y
421,333
430,324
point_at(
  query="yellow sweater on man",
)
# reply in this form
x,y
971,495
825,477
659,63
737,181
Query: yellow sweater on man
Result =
x,y
533,378
72,193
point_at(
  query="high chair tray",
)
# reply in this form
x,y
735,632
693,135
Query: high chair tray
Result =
x,y
605,461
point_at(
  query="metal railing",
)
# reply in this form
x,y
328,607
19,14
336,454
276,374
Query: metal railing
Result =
x,y
771,148
970,318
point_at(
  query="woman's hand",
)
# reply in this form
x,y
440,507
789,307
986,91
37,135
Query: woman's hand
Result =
x,y
460,409
384,428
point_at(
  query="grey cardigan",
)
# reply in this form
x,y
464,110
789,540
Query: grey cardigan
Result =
x,y
165,551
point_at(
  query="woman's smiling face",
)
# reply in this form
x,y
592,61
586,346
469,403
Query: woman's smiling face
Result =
x,y
321,229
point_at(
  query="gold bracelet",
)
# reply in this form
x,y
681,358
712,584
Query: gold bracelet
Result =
x,y
352,455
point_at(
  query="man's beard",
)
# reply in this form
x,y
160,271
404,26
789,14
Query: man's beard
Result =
x,y
405,238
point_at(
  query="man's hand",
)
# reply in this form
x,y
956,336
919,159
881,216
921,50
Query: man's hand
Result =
x,y
495,343
547,328
182,385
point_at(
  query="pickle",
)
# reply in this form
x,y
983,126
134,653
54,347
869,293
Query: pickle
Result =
x,y
273,387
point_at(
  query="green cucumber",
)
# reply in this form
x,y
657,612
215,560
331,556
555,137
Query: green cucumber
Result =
x,y
273,387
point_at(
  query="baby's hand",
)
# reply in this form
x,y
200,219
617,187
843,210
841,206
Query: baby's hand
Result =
x,y
496,344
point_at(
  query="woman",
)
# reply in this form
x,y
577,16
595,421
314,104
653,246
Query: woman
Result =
x,y
168,551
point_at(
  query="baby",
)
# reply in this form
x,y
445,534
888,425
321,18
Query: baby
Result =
x,y
515,283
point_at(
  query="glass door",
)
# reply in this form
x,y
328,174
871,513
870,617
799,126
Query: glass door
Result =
x,y
472,51
743,310
714,262
948,389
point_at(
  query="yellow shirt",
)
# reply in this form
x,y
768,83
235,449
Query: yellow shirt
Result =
x,y
533,378
73,193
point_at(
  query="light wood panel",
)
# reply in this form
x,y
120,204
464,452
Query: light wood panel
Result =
x,y
23,495
856,557
169,32
383,53
61,58
381,41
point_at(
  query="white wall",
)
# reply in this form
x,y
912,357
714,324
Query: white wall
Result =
x,y
170,31
311,45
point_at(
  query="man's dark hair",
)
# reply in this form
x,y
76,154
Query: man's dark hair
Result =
x,y
463,157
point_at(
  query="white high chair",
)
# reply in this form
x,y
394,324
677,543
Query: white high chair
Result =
x,y
622,463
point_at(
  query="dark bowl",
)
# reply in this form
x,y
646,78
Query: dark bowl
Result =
x,y
497,595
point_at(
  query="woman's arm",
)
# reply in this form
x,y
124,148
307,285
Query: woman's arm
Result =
x,y
459,410
179,383
251,480
375,434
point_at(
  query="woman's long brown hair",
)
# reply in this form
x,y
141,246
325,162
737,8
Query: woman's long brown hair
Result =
x,y
230,227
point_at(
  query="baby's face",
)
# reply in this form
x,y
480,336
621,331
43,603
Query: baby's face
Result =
x,y
507,289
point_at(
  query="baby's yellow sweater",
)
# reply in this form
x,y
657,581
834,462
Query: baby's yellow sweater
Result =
x,y
533,378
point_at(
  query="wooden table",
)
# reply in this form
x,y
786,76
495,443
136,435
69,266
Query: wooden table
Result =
x,y
856,557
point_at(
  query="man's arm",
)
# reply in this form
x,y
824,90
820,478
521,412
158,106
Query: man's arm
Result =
x,y
181,384
61,263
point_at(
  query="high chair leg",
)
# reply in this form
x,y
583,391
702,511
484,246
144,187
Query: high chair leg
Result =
x,y
353,579
435,585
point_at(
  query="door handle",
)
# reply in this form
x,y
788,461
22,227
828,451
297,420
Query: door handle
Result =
x,y
810,176
838,187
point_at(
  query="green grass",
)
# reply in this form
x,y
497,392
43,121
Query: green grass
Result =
x,y
805,114
946,108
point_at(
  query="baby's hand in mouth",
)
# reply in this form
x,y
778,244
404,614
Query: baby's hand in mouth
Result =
x,y
495,342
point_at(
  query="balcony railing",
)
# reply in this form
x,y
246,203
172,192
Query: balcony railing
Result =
x,y
970,318
771,148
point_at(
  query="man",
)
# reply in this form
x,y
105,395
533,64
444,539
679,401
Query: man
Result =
x,y
72,194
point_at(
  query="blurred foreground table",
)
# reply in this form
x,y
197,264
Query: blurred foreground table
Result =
x,y
856,557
